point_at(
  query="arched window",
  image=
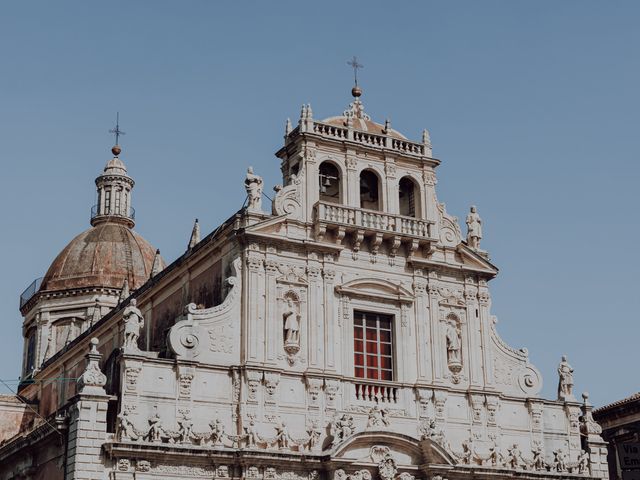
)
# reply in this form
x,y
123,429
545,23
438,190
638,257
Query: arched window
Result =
x,y
369,190
329,183
409,197
30,359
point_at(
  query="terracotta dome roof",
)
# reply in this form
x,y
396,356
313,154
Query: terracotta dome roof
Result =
x,y
364,125
102,256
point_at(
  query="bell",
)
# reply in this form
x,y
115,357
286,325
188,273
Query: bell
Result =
x,y
327,182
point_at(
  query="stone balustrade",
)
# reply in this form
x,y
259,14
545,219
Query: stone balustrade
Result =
x,y
367,391
369,139
373,220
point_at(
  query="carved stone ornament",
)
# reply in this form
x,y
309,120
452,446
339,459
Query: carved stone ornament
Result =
x,y
143,465
92,379
314,388
254,378
124,464
288,200
271,380
359,475
378,418
331,392
342,428
588,426
208,334
185,380
131,375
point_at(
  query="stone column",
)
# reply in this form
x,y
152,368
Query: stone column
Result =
x,y
484,301
254,333
430,201
273,320
352,198
473,330
592,442
315,331
423,332
88,423
436,339
329,318
392,204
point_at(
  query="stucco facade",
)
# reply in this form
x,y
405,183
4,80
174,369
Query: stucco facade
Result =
x,y
347,334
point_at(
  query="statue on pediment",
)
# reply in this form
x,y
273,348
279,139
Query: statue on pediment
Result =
x,y
133,323
254,185
474,228
565,380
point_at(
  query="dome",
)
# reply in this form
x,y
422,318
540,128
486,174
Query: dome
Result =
x,y
102,256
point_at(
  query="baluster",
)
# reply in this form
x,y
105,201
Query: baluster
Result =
x,y
358,391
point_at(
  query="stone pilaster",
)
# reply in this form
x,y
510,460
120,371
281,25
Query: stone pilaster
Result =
x,y
88,422
329,318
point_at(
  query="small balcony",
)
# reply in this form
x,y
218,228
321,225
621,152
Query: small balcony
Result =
x,y
113,212
30,291
361,223
368,391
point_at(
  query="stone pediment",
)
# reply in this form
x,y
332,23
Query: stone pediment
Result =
x,y
375,288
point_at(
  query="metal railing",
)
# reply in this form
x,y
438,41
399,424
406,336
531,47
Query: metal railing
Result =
x,y
112,212
30,291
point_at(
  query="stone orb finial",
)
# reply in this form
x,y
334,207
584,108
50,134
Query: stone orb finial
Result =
x,y
585,396
94,344
116,150
356,91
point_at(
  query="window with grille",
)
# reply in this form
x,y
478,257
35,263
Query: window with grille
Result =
x,y
373,346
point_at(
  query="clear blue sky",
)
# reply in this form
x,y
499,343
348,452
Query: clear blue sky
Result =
x,y
533,108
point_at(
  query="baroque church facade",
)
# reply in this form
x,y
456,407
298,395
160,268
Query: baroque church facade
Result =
x,y
346,334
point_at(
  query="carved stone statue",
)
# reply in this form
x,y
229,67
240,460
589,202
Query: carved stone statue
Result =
x,y
559,460
251,434
467,451
474,228
378,417
217,431
387,468
495,455
565,380
282,435
133,323
343,427
185,428
583,462
514,457
254,185
454,344
538,457
155,428
291,319
126,429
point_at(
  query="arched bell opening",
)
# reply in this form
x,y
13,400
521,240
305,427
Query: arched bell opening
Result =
x,y
329,183
370,190
409,198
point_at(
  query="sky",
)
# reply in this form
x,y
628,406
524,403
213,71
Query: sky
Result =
x,y
533,108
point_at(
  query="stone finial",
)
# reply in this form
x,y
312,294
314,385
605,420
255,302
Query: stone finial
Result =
x,y
195,235
426,137
92,380
287,128
387,126
474,228
156,267
588,426
565,380
96,314
124,293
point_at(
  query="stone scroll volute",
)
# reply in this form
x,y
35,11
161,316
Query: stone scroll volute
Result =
x,y
210,335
